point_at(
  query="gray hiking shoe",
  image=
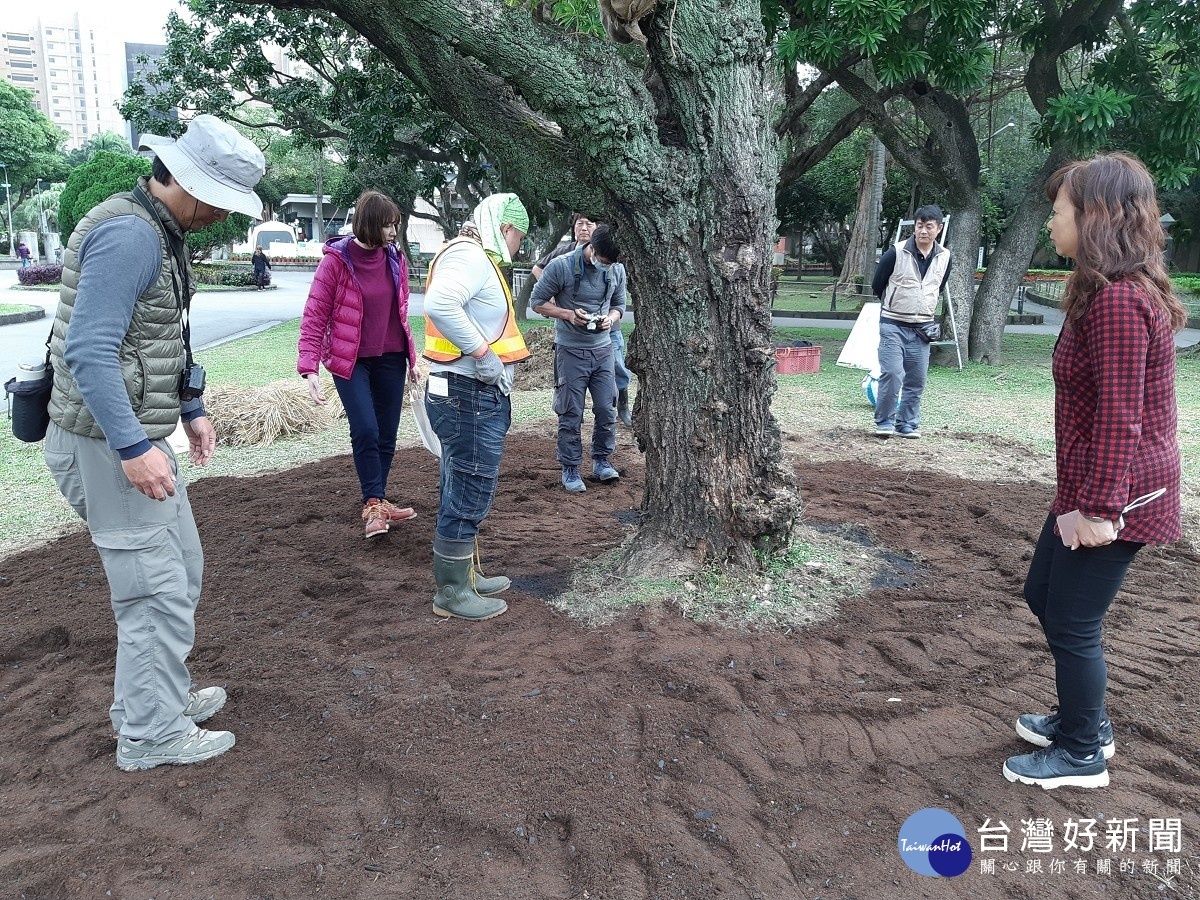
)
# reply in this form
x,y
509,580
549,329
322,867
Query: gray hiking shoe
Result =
x,y
1042,731
604,471
571,480
205,703
193,747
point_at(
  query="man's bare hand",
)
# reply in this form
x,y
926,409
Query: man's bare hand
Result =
x,y
151,474
202,440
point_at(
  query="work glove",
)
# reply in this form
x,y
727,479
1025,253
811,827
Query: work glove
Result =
x,y
489,369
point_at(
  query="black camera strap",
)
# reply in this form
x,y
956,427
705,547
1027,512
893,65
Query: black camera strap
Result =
x,y
178,248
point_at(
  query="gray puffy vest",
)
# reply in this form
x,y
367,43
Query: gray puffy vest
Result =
x,y
151,354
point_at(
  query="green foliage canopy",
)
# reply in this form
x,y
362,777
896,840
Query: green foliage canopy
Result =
x,y
105,174
29,143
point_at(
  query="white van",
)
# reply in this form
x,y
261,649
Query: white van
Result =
x,y
274,237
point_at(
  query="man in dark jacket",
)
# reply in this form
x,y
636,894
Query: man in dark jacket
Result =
x,y
123,376
583,227
585,292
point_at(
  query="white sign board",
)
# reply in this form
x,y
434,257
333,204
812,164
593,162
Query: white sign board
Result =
x,y
862,347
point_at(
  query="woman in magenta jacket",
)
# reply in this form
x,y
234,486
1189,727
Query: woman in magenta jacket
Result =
x,y
1115,445
355,323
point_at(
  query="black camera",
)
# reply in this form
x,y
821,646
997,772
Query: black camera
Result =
x,y
191,382
594,321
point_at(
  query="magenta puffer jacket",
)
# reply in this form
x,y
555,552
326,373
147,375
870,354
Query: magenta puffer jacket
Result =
x,y
331,326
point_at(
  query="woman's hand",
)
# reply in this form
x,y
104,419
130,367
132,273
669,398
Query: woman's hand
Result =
x,y
1094,534
314,389
414,375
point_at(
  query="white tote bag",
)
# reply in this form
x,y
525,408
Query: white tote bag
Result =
x,y
416,402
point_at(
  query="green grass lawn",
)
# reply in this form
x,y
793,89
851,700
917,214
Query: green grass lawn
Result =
x,y
7,309
1013,401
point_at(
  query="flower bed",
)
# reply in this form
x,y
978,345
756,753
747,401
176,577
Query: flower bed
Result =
x,y
35,275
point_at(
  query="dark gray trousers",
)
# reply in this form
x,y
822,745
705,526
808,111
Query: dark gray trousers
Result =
x,y
575,373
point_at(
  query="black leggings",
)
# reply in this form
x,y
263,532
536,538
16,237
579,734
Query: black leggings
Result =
x,y
1070,592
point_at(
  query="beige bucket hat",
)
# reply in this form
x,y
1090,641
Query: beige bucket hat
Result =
x,y
213,163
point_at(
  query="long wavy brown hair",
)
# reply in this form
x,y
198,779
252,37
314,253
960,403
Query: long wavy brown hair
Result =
x,y
1120,237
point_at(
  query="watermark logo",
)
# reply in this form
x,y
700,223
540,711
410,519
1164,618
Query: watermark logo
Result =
x,y
933,842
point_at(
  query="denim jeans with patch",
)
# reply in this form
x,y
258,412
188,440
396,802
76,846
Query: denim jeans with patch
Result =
x,y
471,423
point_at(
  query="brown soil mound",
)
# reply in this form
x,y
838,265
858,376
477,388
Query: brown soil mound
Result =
x,y
385,753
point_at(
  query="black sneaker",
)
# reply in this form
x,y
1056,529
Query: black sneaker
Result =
x,y
1053,767
1042,731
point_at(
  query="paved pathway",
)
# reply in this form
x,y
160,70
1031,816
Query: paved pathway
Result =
x,y
222,316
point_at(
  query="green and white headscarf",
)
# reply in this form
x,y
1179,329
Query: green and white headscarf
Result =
x,y
484,224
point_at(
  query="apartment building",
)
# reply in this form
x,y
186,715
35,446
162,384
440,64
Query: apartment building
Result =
x,y
76,70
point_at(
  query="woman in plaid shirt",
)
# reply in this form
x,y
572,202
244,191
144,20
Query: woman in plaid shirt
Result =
x,y
1115,436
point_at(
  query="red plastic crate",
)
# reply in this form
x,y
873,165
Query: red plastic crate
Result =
x,y
797,360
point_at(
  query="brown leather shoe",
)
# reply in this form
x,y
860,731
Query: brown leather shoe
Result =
x,y
397,513
375,517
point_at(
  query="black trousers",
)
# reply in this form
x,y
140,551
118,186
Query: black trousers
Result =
x,y
1070,591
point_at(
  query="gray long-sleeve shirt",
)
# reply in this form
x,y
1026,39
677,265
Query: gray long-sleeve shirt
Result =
x,y
119,259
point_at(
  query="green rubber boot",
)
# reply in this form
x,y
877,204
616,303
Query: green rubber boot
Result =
x,y
485,586
456,596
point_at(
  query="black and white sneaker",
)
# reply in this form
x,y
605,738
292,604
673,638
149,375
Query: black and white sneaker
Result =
x,y
1042,731
1053,767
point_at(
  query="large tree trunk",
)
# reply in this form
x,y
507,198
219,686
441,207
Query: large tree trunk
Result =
x,y
864,238
1008,265
698,248
685,164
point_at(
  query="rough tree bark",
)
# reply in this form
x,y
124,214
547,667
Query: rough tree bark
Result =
x,y
1008,264
683,159
864,238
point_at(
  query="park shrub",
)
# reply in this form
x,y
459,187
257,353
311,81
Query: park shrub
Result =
x,y
1189,283
226,276
48,274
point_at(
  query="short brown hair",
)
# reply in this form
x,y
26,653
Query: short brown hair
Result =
x,y
373,212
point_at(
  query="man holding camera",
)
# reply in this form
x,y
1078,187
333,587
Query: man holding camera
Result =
x,y
585,291
909,280
123,377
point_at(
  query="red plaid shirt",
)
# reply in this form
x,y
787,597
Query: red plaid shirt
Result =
x,y
1115,417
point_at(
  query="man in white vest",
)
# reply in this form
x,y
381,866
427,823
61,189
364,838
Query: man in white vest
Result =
x,y
908,280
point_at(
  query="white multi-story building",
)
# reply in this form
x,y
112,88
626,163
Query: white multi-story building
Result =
x,y
76,70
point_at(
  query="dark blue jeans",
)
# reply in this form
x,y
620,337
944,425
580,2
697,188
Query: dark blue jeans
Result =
x,y
373,396
1070,592
471,423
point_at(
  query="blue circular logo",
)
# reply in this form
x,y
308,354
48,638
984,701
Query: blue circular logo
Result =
x,y
933,842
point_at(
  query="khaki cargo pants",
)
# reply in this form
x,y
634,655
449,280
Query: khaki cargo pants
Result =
x,y
154,563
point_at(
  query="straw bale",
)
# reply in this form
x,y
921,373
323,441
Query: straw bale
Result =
x,y
258,416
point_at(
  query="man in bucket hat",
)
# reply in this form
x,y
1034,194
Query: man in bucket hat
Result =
x,y
123,377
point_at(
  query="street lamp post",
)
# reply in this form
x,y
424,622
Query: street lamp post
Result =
x,y
12,250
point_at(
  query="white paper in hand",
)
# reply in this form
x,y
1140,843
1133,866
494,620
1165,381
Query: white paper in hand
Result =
x,y
416,402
